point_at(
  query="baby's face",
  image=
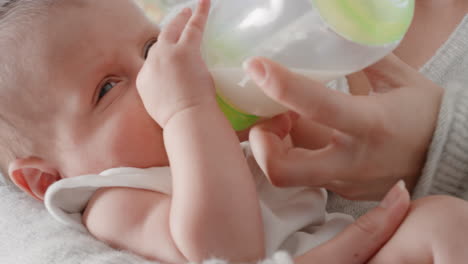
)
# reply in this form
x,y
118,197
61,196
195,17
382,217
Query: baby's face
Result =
x,y
95,51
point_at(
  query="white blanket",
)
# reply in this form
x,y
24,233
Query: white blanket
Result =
x,y
29,235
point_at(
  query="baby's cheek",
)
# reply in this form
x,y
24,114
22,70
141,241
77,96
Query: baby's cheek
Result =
x,y
126,143
137,142
130,137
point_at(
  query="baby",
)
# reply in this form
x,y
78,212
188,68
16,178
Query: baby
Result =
x,y
78,98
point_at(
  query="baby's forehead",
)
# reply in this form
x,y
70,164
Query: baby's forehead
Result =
x,y
76,37
96,26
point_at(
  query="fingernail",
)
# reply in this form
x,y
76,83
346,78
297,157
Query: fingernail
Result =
x,y
256,69
392,197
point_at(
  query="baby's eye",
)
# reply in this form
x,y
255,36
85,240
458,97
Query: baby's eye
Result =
x,y
108,85
148,46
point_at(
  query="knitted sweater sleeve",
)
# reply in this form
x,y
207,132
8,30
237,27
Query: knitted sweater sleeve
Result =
x,y
446,168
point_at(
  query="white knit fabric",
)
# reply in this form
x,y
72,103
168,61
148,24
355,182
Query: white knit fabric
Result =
x,y
446,170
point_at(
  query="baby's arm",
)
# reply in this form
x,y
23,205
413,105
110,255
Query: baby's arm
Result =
x,y
135,220
213,187
214,209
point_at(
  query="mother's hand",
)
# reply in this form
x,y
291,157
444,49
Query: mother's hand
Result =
x,y
364,238
373,141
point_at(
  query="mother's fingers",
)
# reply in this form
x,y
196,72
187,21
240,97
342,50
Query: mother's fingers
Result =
x,y
351,114
360,241
288,166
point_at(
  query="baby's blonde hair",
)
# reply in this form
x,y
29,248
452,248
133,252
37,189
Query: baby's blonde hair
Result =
x,y
16,17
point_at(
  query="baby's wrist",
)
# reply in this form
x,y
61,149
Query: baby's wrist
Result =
x,y
196,112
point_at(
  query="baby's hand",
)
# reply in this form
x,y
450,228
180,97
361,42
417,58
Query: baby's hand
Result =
x,y
175,77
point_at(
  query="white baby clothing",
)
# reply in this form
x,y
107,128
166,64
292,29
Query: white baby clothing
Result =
x,y
294,218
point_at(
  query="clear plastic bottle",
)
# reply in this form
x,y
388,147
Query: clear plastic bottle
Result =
x,y
322,39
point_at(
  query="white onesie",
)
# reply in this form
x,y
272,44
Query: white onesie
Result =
x,y
294,218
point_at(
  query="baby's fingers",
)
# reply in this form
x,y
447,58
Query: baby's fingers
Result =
x,y
193,33
172,31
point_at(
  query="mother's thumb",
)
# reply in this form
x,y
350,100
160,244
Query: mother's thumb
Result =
x,y
362,239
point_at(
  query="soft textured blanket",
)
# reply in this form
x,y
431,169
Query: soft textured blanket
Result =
x,y
30,236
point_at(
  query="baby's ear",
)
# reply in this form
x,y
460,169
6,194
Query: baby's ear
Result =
x,y
33,176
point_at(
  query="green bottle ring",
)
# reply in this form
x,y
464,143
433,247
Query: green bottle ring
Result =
x,y
239,121
368,22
